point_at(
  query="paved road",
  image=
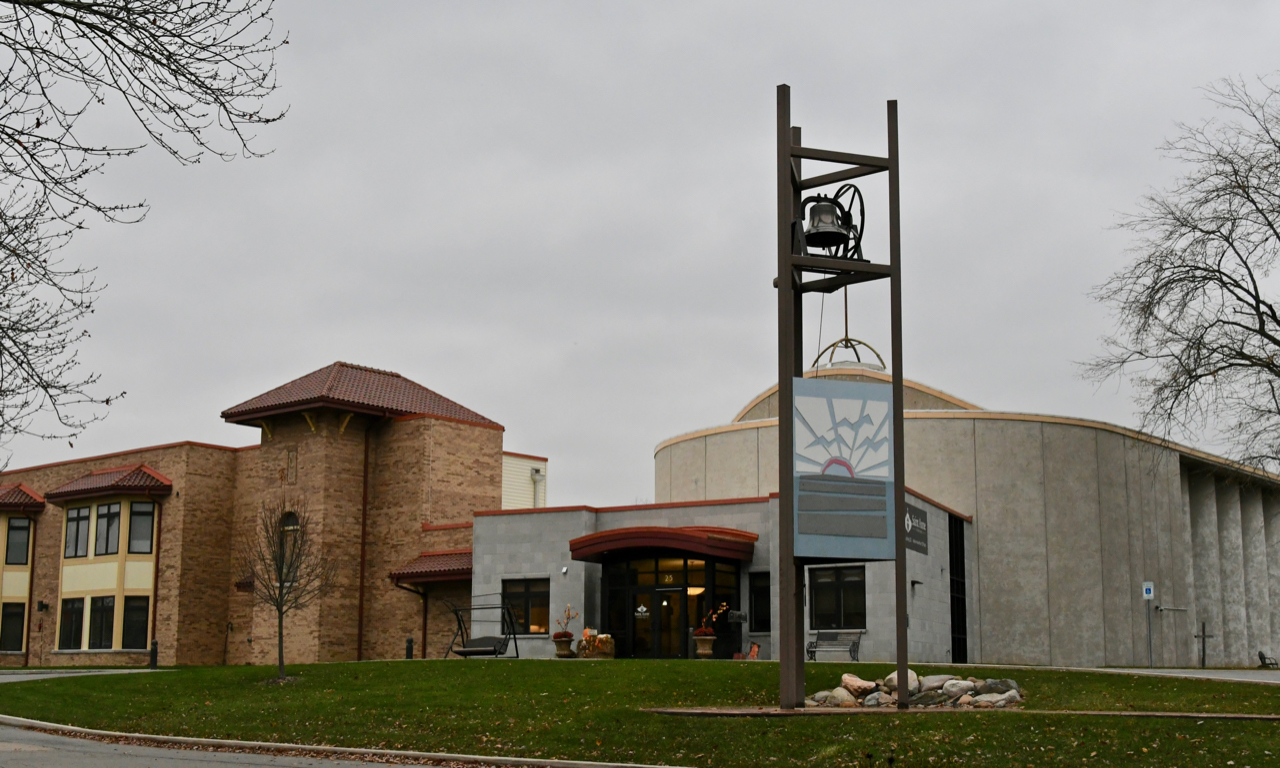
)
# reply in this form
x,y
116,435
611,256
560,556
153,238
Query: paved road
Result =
x,y
30,749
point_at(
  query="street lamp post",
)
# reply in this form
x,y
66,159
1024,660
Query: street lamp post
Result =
x,y
842,264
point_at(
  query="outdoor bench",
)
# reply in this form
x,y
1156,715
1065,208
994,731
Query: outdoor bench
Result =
x,y
835,641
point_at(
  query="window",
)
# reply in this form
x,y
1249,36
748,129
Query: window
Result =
x,y
12,619
77,532
72,628
15,552
838,598
142,519
108,537
760,607
289,527
102,618
136,613
530,604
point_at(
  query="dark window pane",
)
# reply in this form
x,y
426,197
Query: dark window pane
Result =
x,y
142,517
19,537
133,633
72,624
530,604
761,619
697,572
12,619
108,532
77,532
102,619
838,597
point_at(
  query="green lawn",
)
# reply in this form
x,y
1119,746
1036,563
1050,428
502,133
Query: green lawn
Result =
x,y
589,711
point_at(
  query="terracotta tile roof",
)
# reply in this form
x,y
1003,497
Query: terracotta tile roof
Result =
x,y
356,388
138,478
20,498
448,565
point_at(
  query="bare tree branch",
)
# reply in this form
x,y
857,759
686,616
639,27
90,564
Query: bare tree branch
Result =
x,y
193,73
1198,330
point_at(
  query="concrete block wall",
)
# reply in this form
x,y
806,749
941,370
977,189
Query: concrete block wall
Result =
x,y
533,546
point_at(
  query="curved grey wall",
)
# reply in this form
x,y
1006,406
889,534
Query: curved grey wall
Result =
x,y
1069,521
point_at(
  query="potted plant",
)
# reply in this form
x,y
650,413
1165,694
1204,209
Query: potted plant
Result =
x,y
705,636
564,638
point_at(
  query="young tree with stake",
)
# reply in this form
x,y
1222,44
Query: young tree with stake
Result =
x,y
283,560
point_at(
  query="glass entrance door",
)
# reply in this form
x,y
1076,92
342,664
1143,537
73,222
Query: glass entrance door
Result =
x,y
642,624
670,629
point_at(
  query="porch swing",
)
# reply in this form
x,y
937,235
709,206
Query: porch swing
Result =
x,y
464,645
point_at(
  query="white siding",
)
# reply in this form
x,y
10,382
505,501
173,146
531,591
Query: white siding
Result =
x,y
517,482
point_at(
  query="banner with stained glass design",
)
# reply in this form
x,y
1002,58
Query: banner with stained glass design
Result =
x,y
844,492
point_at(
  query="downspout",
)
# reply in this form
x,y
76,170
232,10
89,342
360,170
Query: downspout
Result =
x,y
424,622
155,577
31,593
364,519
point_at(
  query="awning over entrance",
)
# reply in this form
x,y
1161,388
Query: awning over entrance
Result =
x,y
728,543
448,565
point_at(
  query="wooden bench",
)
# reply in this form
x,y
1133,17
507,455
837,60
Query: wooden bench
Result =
x,y
835,641
1268,662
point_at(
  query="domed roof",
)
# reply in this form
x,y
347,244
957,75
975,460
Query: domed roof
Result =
x,y
916,396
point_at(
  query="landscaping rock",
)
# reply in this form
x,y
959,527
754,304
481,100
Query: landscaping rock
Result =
x,y
873,699
811,703
1008,697
821,696
965,700
848,704
955,688
997,686
856,685
928,698
934,682
838,697
913,682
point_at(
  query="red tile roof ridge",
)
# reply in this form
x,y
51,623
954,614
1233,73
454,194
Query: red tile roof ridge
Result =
x,y
32,492
369,369
113,454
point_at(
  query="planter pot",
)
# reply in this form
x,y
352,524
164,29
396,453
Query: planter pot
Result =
x,y
704,645
564,648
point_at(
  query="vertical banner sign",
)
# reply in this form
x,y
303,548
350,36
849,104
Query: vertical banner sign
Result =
x,y
844,502
916,530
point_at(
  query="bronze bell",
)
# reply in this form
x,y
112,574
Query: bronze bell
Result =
x,y
828,225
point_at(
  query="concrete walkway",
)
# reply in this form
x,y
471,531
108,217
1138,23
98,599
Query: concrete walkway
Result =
x,y
29,749
22,675
1271,676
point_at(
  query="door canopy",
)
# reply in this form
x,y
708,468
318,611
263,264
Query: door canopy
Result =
x,y
727,543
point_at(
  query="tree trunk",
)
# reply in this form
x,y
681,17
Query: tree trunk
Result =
x,y
280,641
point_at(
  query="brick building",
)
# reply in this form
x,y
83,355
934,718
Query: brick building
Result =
x,y
104,554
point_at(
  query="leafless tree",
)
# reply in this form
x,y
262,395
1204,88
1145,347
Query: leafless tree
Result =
x,y
1198,328
192,73
283,561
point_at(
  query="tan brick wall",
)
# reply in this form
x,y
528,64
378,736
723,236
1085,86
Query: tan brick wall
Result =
x,y
421,471
173,529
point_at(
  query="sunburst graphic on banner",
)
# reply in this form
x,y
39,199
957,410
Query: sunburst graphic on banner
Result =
x,y
842,436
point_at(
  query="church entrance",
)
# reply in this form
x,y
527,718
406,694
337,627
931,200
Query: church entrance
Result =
x,y
654,600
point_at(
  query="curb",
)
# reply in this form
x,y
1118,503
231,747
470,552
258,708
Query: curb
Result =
x,y
268,746
886,711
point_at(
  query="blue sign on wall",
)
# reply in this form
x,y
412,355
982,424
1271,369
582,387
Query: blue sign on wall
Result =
x,y
844,493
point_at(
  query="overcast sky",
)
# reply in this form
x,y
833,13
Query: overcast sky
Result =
x,y
561,215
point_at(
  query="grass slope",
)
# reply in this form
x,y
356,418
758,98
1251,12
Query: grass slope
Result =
x,y
588,711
